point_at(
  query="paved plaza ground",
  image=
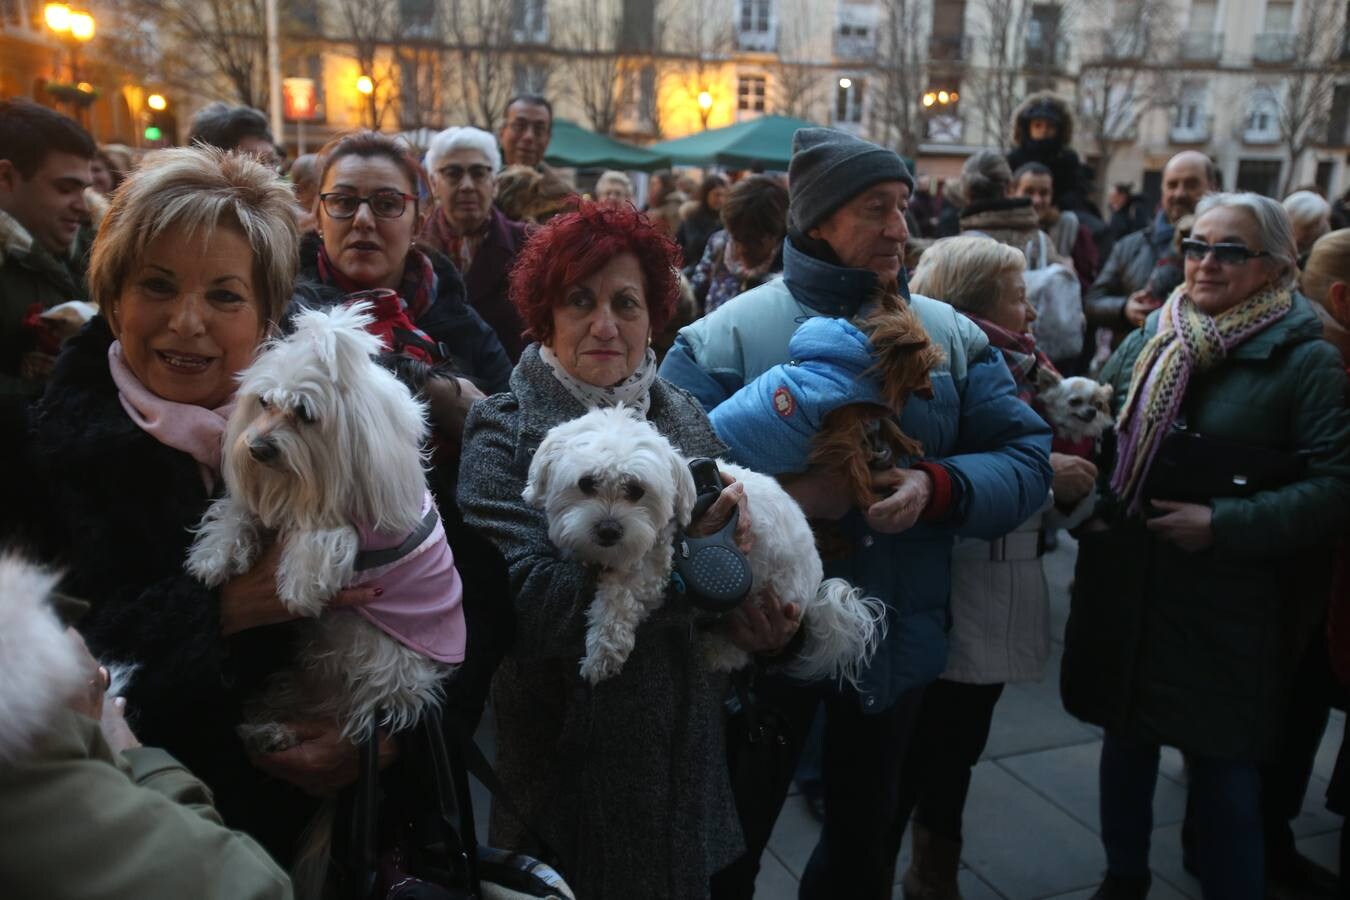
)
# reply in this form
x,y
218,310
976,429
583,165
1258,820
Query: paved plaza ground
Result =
x,y
1031,820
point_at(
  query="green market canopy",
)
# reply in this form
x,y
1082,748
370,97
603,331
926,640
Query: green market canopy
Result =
x,y
765,142
574,147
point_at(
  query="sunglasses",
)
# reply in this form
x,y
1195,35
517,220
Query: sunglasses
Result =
x,y
385,204
1224,254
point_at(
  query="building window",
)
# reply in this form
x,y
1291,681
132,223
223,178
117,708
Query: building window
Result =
x,y
418,18
530,78
1326,168
1279,16
750,91
756,16
848,100
529,21
1260,176
1340,116
1263,118
1191,121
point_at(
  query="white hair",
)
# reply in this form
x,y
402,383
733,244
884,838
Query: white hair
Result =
x,y
1306,208
615,177
466,138
1273,229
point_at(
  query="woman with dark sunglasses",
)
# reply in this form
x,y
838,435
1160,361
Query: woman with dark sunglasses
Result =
x,y
1204,574
368,219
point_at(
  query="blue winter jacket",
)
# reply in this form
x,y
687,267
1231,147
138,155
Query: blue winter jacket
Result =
x,y
995,448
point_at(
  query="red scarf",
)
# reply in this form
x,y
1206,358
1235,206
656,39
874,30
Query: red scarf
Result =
x,y
461,248
1019,351
417,290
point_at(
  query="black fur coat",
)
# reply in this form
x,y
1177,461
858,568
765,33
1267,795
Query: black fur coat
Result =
x,y
113,507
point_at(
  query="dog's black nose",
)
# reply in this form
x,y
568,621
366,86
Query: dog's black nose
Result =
x,y
262,450
607,533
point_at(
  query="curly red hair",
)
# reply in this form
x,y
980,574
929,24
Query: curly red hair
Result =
x,y
578,244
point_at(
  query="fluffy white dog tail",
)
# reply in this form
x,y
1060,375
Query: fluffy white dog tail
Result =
x,y
843,629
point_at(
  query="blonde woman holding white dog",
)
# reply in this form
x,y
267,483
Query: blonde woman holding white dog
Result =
x,y
626,779
191,271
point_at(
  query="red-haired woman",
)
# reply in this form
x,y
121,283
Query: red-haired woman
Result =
x,y
627,780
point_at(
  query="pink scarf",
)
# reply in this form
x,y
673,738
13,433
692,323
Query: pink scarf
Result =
x,y
194,430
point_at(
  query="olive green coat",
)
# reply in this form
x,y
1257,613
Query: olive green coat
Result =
x,y
82,822
1196,650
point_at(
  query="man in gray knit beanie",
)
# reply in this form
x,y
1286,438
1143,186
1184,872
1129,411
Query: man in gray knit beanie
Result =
x,y
985,469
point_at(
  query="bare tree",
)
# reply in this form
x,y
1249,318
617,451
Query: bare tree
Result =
x,y
592,38
419,53
1129,72
701,38
902,63
367,26
1310,81
798,81
187,43
1004,42
481,35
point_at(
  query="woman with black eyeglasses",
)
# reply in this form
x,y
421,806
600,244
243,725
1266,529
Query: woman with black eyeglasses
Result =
x,y
368,219
1203,575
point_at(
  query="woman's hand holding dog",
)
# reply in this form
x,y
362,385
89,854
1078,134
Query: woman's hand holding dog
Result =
x,y
323,763
93,700
732,497
250,600
1074,478
911,489
763,623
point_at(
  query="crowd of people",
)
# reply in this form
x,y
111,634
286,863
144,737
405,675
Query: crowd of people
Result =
x,y
1212,585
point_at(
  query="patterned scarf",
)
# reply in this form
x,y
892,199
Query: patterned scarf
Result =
x,y
461,248
1021,354
417,290
633,392
1188,341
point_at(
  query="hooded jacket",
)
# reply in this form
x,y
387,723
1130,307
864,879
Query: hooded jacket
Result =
x,y
974,426
1057,153
80,820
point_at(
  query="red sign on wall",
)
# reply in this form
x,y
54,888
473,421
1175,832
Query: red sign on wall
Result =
x,y
299,99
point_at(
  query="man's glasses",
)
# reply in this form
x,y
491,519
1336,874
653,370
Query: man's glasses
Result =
x,y
385,204
1224,254
455,174
520,126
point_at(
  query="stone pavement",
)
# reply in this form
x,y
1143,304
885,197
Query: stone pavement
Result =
x,y
1031,828
1031,819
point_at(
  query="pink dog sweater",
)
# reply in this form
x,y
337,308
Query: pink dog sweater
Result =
x,y
420,606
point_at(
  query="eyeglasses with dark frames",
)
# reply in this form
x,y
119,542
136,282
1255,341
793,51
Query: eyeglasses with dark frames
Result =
x,y
1224,254
455,174
384,204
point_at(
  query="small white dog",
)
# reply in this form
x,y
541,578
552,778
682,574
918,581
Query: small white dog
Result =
x,y
324,453
616,492
1077,407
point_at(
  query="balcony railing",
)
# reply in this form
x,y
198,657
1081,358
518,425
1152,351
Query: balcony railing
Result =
x,y
1274,47
950,48
1198,132
1047,54
1200,46
757,41
854,47
1121,46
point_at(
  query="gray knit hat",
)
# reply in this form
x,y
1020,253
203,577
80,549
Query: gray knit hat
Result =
x,y
830,168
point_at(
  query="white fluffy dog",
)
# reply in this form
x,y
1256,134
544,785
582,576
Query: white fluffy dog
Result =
x,y
615,493
1077,407
323,444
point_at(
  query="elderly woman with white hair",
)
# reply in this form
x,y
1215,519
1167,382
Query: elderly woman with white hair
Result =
x,y
1204,572
614,188
479,239
1310,214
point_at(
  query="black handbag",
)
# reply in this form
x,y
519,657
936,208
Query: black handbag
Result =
x,y
414,838
1195,468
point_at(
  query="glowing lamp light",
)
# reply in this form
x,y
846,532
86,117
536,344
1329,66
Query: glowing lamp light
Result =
x,y
365,86
846,83
57,16
81,26
152,133
705,100
929,99
157,102
943,96
86,87
955,96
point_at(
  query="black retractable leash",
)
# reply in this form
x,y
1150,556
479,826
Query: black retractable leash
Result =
x,y
711,571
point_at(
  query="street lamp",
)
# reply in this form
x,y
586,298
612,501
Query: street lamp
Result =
x,y
157,102
72,27
846,83
57,17
365,85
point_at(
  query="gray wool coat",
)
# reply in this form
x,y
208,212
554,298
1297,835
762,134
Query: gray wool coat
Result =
x,y
626,780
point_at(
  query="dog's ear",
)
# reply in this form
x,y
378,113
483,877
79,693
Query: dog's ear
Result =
x,y
541,466
685,493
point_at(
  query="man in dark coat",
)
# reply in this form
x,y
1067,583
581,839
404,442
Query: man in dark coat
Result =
x,y
44,168
1119,298
479,239
1042,132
